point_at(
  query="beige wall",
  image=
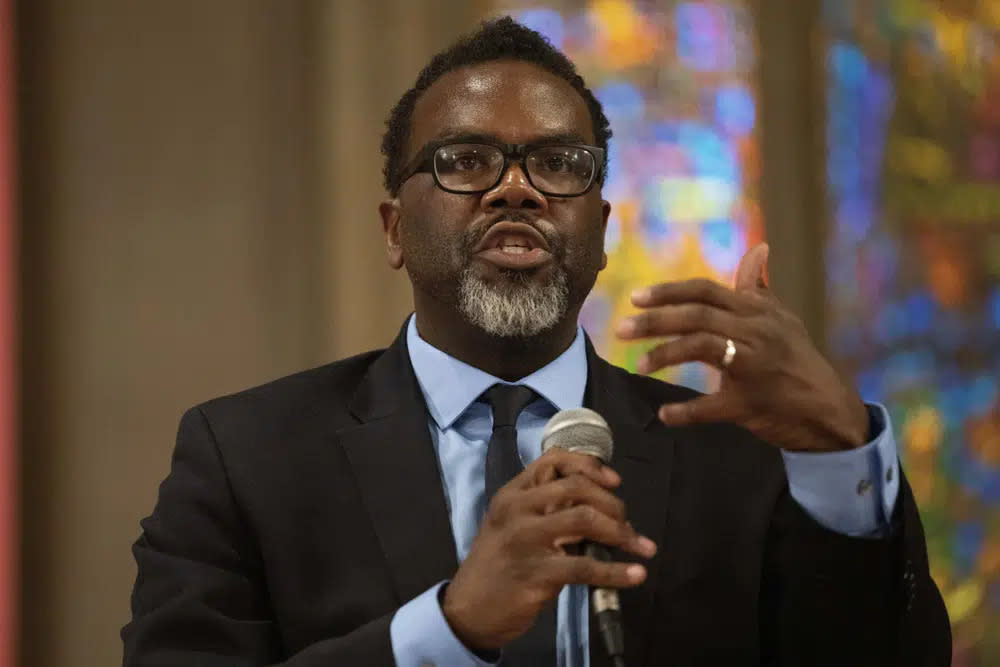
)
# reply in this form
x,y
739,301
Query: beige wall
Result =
x,y
200,182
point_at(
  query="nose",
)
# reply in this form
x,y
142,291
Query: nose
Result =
x,y
514,191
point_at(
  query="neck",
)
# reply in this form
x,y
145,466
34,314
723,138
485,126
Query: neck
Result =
x,y
506,358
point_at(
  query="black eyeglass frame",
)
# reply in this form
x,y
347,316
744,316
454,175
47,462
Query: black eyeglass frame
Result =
x,y
423,162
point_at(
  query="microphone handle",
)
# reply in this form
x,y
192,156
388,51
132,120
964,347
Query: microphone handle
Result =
x,y
606,607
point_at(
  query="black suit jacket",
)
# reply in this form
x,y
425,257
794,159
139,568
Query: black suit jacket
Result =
x,y
298,516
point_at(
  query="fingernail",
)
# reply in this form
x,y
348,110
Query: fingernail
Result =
x,y
635,572
611,476
640,294
646,546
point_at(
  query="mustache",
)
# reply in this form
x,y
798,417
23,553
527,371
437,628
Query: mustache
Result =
x,y
474,234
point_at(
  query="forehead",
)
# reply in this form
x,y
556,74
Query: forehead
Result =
x,y
515,102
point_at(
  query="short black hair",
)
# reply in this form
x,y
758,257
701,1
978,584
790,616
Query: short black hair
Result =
x,y
499,39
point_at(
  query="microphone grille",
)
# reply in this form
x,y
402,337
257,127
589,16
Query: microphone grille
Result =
x,y
579,430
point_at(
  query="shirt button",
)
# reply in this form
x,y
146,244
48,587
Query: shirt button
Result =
x,y
864,486
888,474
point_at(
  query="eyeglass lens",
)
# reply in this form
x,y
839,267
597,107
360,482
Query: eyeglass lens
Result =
x,y
555,169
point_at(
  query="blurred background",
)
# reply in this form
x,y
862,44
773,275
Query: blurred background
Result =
x,y
187,208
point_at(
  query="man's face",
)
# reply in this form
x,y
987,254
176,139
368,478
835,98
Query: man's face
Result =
x,y
510,260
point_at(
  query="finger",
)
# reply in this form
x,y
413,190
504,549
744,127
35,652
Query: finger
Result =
x,y
574,490
565,569
705,347
715,407
584,522
680,319
557,463
752,269
698,290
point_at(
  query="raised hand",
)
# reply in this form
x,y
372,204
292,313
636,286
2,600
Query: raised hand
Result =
x,y
775,382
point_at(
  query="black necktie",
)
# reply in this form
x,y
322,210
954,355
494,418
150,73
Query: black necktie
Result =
x,y
536,647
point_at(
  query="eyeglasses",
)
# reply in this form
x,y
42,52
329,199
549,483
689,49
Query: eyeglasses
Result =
x,y
557,170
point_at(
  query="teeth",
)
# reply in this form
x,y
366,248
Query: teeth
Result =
x,y
514,244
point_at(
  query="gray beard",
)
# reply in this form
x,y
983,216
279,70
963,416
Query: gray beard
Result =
x,y
514,309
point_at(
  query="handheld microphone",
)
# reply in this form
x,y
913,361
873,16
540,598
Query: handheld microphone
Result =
x,y
583,431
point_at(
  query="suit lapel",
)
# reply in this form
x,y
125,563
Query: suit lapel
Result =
x,y
393,458
642,456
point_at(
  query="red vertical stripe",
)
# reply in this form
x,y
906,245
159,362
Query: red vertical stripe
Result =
x,y
8,365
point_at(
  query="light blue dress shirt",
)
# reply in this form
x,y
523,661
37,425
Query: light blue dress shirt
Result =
x,y
851,492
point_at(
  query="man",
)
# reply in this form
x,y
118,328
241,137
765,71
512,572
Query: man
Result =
x,y
394,508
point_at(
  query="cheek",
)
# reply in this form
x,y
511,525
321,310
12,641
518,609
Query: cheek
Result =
x,y
585,234
434,223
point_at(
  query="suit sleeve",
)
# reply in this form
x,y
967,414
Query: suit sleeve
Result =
x,y
199,596
830,599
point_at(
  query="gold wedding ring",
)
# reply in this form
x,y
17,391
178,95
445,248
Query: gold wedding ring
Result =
x,y
727,358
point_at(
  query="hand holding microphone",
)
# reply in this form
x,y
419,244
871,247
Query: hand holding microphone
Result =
x,y
516,565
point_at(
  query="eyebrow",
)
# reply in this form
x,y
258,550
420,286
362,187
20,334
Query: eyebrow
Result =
x,y
461,135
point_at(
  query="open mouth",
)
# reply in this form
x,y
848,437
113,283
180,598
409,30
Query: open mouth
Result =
x,y
516,254
514,245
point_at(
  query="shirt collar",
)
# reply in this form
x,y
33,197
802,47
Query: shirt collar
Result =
x,y
450,386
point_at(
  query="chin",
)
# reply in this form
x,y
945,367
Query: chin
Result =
x,y
517,308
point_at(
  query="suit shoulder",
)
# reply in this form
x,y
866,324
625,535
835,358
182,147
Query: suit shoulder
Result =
x,y
715,439
322,389
653,390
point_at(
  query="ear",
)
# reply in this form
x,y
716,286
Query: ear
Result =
x,y
391,215
605,214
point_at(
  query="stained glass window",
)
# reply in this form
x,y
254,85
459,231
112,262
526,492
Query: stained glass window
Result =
x,y
913,165
676,80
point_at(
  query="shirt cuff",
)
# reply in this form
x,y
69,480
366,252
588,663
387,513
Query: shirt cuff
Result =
x,y
420,635
852,492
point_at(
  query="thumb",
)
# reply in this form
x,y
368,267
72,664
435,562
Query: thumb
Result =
x,y
752,270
